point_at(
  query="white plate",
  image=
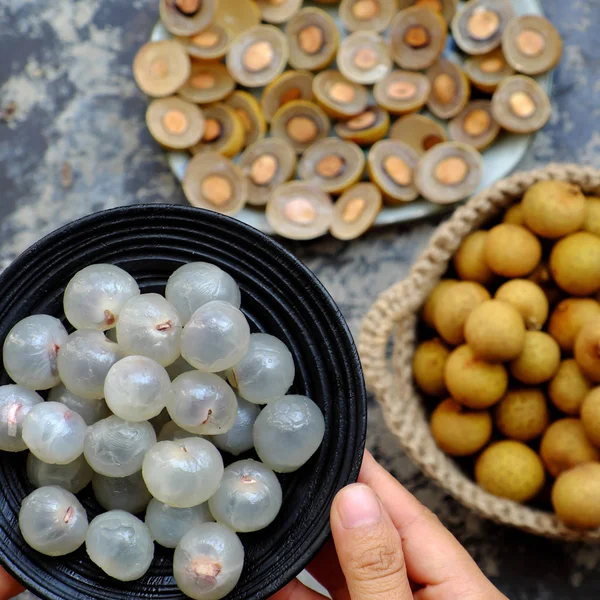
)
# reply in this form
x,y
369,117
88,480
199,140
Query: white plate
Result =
x,y
499,160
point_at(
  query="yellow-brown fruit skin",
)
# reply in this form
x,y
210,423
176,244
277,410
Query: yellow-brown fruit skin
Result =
x,y
569,387
587,350
459,431
514,215
542,277
474,382
454,306
522,414
510,469
575,264
592,216
512,251
576,496
495,331
432,300
469,260
565,446
528,298
428,367
539,360
569,317
590,416
553,209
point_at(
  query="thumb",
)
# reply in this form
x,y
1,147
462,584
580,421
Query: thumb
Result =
x,y
369,547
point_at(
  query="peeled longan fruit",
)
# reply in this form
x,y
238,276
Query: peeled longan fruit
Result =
x,y
432,299
565,445
474,382
576,496
428,367
514,215
569,387
569,317
587,350
522,414
459,431
553,209
469,260
512,251
592,216
510,469
539,360
575,264
590,416
495,331
528,298
454,305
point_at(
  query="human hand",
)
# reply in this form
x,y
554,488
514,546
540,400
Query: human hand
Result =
x,y
388,546
8,586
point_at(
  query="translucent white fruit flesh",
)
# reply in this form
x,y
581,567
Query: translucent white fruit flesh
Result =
x,y
208,562
52,521
91,411
72,477
121,493
202,403
95,296
15,403
54,433
116,448
30,351
197,284
240,437
288,432
171,432
167,525
137,388
120,544
178,367
266,372
216,337
249,497
150,326
183,473
84,360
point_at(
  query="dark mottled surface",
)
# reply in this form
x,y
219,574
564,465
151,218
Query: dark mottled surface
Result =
x,y
77,143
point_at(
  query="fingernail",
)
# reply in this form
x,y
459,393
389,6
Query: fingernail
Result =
x,y
358,506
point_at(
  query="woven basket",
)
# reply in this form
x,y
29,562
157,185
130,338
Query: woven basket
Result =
x,y
394,318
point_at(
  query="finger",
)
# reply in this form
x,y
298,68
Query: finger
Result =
x,y
368,546
8,586
327,571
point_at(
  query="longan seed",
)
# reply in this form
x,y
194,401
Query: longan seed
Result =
x,y
417,36
364,10
300,211
477,122
444,88
289,96
521,104
311,39
531,43
330,166
258,56
203,81
353,210
398,170
362,121
483,24
302,129
175,122
492,65
263,169
365,58
217,189
401,90
342,93
206,39
212,130
451,171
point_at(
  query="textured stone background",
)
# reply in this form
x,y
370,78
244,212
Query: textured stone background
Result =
x,y
77,143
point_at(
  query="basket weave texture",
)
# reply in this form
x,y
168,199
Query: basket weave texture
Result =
x,y
394,317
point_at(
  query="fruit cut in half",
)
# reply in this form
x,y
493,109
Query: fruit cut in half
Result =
x,y
446,8
402,92
487,71
339,97
363,57
237,16
355,211
186,17
248,110
208,82
520,105
211,43
450,89
223,131
290,86
301,124
367,15
278,11
449,172
213,182
300,211
174,123
365,128
421,133
161,68
475,125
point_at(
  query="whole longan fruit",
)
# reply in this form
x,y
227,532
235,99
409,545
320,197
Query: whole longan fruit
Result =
x,y
569,387
495,331
566,445
528,298
576,496
469,260
454,306
587,350
432,299
510,469
459,431
428,367
575,264
522,414
569,317
514,215
539,360
553,209
512,251
592,216
474,382
590,416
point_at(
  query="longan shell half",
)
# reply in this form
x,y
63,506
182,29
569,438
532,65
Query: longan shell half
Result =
x,y
487,71
450,89
180,24
211,43
208,82
355,211
225,129
175,123
309,121
289,86
421,133
365,128
475,125
402,92
339,97
250,114
367,15
363,57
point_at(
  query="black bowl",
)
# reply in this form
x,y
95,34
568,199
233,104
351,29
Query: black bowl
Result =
x,y
279,296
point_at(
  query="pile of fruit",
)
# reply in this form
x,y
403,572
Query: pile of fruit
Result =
x,y
220,46
516,359
143,415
